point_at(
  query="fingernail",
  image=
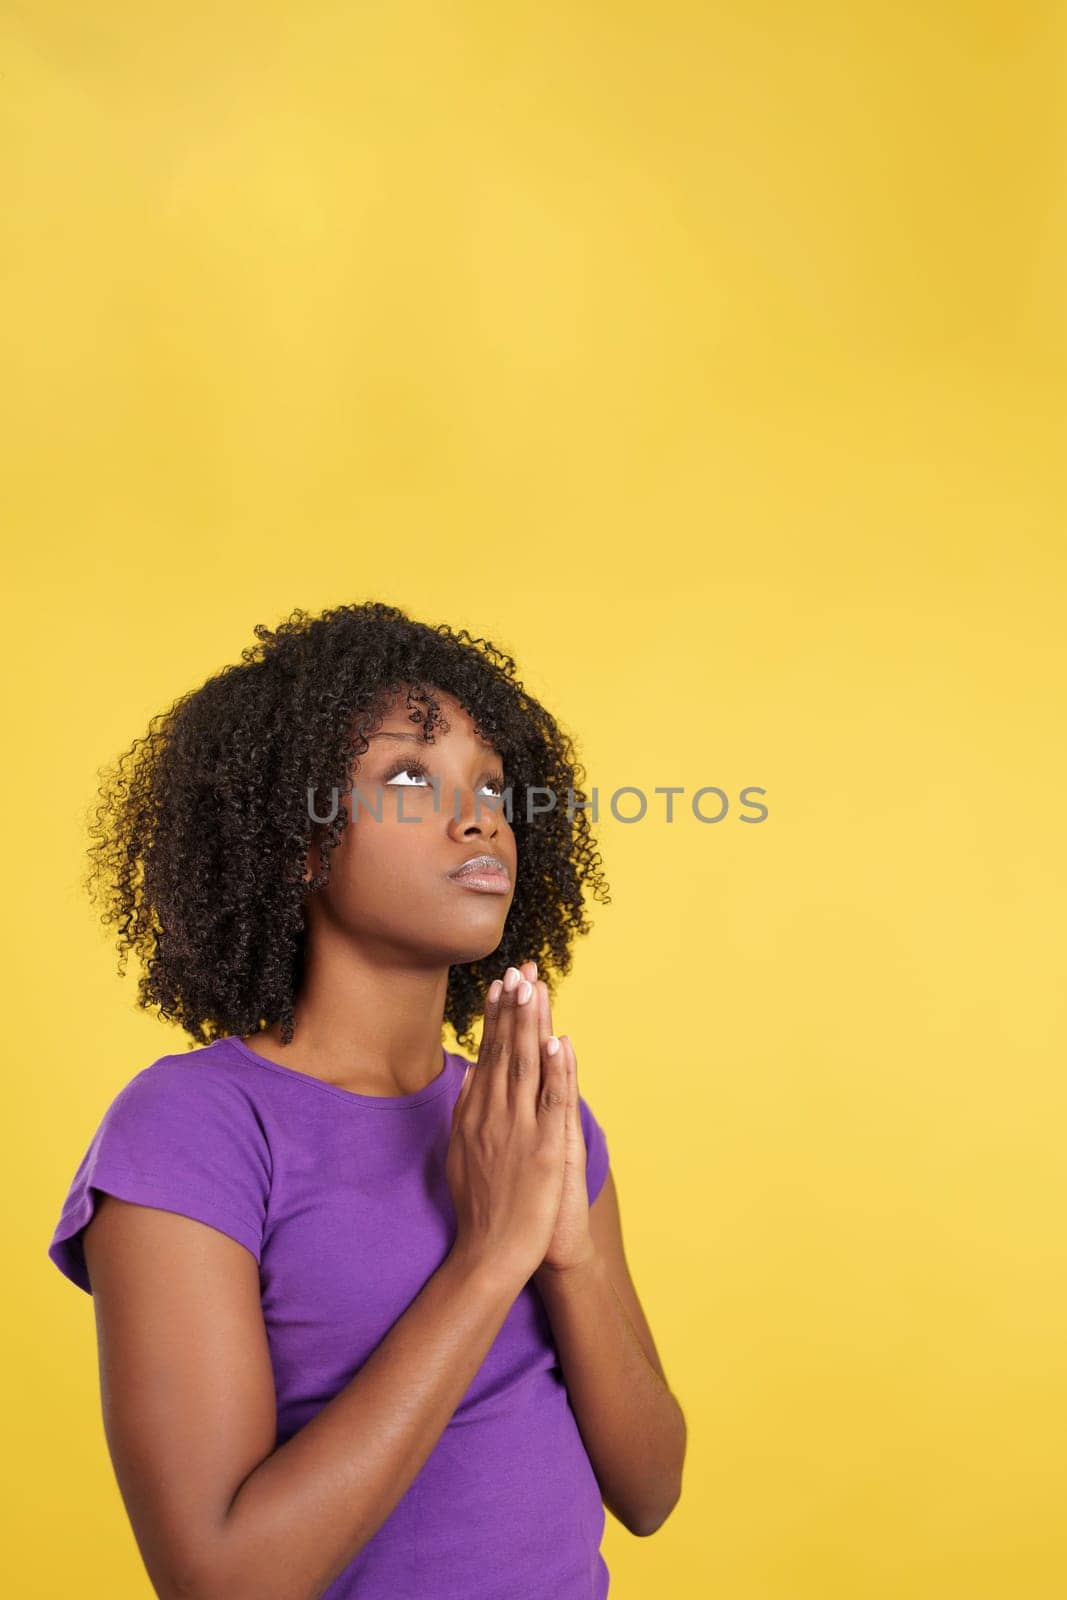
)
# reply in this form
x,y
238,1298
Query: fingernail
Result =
x,y
496,989
551,1045
525,991
511,977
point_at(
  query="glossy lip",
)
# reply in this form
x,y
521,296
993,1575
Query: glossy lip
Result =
x,y
491,883
485,872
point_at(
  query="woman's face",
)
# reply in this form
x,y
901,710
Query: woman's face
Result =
x,y
389,886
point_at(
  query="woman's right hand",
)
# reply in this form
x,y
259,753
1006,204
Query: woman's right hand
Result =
x,y
506,1155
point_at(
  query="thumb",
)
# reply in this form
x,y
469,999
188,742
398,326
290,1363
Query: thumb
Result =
x,y
461,1097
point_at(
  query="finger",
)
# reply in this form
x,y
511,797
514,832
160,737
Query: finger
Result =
x,y
572,1084
529,971
544,1013
524,1077
565,1057
480,1082
549,1044
461,1098
498,1061
552,1101
490,1014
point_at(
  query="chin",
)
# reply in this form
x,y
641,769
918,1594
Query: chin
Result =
x,y
475,950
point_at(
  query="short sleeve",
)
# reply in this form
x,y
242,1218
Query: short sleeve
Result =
x,y
596,1151
179,1137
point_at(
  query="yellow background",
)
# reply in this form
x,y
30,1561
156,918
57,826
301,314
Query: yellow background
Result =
x,y
712,360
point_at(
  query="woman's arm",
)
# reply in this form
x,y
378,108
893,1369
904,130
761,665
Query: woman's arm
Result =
x,y
633,1428
189,1409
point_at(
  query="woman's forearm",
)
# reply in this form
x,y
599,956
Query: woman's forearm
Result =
x,y
306,1511
632,1426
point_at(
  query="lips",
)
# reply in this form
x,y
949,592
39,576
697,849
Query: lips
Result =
x,y
482,866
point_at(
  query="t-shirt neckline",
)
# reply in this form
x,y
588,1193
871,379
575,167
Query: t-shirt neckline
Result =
x,y
377,1102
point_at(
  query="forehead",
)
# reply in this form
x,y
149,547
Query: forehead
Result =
x,y
455,721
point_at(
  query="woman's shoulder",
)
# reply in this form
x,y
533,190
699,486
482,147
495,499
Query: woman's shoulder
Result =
x,y
200,1093
222,1059
183,1134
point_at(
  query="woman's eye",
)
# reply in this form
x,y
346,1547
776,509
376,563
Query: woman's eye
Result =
x,y
418,775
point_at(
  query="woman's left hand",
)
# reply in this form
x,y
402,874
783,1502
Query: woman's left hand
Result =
x,y
571,1244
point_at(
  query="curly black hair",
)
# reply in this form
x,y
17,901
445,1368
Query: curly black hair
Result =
x,y
203,829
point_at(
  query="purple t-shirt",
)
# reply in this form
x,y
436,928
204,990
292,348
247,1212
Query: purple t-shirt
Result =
x,y
343,1201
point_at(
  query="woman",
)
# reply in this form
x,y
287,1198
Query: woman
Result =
x,y
365,1323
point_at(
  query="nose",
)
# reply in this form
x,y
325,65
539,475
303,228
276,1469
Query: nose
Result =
x,y
472,813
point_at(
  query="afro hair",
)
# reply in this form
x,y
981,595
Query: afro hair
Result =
x,y
201,837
